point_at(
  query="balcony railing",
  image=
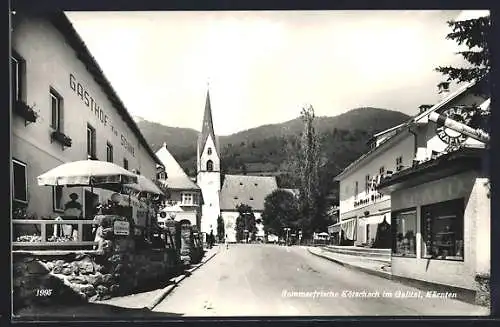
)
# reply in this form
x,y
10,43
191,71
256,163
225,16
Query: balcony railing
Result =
x,y
43,242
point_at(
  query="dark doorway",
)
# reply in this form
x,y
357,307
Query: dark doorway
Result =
x,y
90,200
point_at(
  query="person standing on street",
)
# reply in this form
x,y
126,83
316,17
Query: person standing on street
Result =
x,y
226,242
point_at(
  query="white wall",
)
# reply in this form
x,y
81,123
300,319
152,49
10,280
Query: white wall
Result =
x,y
49,63
230,224
209,182
386,157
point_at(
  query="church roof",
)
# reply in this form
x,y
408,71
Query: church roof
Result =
x,y
207,127
250,190
176,177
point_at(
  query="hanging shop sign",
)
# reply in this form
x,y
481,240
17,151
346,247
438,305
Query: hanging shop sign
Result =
x,y
121,227
101,115
449,136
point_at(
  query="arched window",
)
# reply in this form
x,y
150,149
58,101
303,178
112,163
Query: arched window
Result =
x,y
209,151
210,165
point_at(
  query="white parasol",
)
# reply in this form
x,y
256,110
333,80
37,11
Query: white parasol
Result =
x,y
88,173
145,185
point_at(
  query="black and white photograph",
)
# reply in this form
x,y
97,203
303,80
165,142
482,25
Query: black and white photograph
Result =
x,y
173,164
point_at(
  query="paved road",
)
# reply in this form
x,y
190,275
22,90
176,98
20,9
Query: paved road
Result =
x,y
249,280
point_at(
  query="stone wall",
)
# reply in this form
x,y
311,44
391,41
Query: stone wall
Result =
x,y
120,265
483,293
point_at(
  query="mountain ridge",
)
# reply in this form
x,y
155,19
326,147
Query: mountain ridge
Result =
x,y
262,148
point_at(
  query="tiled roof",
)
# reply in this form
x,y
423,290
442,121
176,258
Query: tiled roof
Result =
x,y
176,177
250,190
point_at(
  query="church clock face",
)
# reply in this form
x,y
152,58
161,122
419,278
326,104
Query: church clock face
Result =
x,y
449,136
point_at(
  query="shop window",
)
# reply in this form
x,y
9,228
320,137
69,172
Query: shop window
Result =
x,y
56,104
20,181
91,140
356,190
209,151
210,165
17,66
443,230
109,152
57,198
125,163
404,224
399,163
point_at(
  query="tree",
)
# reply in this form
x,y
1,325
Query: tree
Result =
x,y
306,159
475,34
220,228
281,209
245,221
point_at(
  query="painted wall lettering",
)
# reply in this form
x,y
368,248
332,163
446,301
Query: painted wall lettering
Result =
x,y
100,114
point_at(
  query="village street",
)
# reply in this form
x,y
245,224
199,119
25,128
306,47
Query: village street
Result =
x,y
252,280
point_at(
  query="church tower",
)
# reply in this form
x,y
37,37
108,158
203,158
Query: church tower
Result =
x,y
208,171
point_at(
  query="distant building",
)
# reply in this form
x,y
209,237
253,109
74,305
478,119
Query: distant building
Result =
x,y
185,199
64,109
243,189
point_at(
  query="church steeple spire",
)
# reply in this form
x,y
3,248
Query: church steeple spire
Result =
x,y
208,126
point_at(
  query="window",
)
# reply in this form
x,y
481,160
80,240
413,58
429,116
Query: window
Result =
x,y
399,163
404,224
17,65
57,197
381,170
356,190
443,230
109,152
209,151
125,163
56,107
367,184
91,141
20,181
162,175
188,198
210,165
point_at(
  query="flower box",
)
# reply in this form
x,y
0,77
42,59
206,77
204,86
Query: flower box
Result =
x,y
25,111
61,138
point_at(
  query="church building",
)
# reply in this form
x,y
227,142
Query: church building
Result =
x,y
237,189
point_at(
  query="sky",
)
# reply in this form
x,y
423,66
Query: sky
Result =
x,y
262,67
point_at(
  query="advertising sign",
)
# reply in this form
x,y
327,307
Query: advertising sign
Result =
x,y
121,227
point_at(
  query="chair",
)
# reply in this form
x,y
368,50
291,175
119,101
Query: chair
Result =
x,y
73,214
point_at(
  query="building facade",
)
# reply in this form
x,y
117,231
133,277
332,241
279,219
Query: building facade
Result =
x,y
248,190
184,196
361,207
440,206
64,110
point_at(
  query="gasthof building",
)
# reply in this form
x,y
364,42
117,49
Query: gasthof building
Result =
x,y
63,110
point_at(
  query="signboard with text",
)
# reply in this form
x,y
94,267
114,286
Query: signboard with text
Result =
x,y
121,228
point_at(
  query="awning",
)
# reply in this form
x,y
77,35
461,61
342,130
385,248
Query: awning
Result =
x,y
334,228
375,220
349,228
